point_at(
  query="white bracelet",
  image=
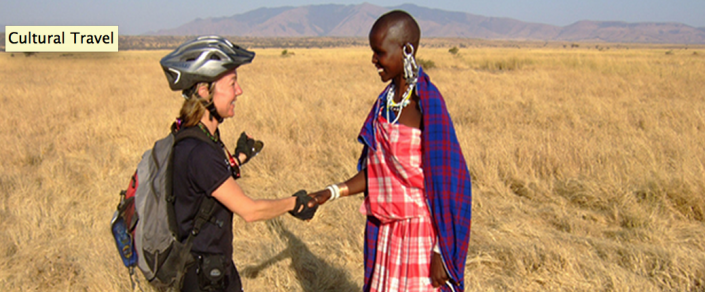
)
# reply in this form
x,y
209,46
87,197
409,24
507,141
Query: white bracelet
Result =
x,y
334,191
337,191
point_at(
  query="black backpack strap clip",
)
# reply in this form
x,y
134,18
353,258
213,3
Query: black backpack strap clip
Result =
x,y
205,212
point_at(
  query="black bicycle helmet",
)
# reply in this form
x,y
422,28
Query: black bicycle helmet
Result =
x,y
203,59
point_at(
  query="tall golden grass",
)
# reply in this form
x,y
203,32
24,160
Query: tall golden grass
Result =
x,y
588,166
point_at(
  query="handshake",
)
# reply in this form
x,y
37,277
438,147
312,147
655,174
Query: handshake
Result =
x,y
306,206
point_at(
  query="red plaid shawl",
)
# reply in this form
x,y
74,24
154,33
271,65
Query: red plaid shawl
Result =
x,y
447,182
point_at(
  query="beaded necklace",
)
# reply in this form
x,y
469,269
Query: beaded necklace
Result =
x,y
208,133
398,107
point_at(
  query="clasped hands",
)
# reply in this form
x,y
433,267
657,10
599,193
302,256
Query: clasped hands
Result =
x,y
307,204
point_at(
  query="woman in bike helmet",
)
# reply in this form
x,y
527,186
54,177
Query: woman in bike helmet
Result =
x,y
205,70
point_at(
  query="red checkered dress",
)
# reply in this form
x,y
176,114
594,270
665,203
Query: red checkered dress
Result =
x,y
396,197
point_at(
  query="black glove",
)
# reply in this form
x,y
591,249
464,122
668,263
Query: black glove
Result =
x,y
302,210
248,146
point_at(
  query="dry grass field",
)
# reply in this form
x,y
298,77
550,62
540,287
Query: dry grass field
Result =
x,y
588,165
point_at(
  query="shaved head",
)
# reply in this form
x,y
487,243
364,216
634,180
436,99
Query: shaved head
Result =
x,y
399,27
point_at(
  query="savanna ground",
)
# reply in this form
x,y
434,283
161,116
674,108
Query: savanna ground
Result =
x,y
588,166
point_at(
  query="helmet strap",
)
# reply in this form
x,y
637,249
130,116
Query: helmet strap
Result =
x,y
210,106
214,112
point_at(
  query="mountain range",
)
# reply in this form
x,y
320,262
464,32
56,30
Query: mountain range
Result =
x,y
333,20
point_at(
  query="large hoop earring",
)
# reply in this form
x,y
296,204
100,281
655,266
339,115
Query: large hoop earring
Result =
x,y
411,68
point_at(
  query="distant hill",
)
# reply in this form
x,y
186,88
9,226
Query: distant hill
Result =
x,y
334,20
644,32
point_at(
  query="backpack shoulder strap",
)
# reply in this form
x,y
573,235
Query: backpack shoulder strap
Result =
x,y
205,212
196,133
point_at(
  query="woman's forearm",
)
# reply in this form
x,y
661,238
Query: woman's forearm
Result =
x,y
264,209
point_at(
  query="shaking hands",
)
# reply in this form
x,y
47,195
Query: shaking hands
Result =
x,y
305,206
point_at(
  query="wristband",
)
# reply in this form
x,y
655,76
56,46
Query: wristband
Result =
x,y
344,191
334,192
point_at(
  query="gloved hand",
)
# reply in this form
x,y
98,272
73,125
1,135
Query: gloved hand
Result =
x,y
302,210
248,146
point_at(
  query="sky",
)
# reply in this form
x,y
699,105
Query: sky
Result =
x,y
135,17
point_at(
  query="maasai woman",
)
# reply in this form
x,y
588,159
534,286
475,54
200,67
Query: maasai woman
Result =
x,y
412,171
